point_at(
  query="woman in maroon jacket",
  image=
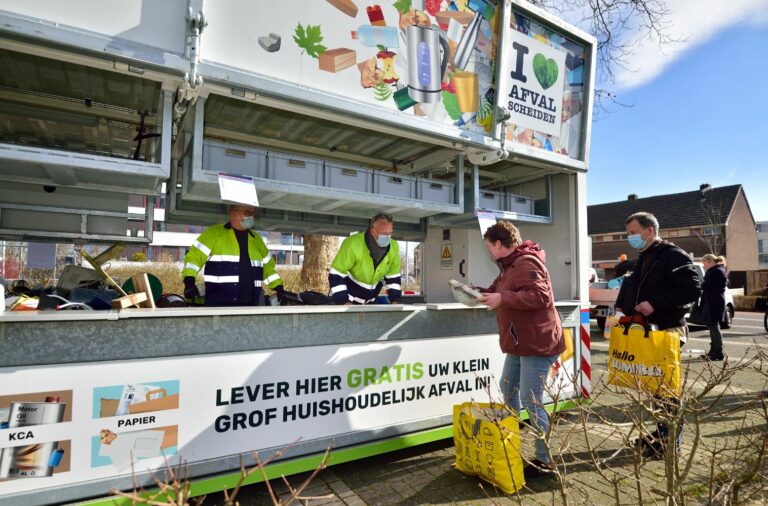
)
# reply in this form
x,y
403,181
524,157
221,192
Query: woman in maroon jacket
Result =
x,y
529,328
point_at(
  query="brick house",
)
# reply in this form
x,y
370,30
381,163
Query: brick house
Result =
x,y
709,220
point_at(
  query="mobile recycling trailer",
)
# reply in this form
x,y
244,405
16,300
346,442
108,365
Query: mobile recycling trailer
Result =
x,y
446,119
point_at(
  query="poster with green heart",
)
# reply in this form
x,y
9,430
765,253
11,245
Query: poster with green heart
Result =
x,y
532,86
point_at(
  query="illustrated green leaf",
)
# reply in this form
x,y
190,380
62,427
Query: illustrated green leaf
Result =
x,y
403,6
381,48
451,104
382,91
486,109
309,39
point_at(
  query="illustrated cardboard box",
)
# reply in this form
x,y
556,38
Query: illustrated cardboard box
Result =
x,y
338,59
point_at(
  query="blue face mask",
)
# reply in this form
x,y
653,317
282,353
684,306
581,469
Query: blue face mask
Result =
x,y
247,222
636,241
383,240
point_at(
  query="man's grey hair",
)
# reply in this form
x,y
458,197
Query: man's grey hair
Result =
x,y
382,216
646,220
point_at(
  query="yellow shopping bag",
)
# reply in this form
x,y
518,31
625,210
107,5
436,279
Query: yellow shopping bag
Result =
x,y
487,439
645,359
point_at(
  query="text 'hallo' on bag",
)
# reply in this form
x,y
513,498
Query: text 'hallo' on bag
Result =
x,y
644,359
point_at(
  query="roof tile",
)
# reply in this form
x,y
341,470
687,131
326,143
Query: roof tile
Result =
x,y
675,210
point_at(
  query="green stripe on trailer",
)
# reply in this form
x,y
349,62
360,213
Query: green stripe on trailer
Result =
x,y
204,486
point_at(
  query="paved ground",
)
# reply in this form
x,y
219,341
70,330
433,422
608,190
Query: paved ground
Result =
x,y
733,424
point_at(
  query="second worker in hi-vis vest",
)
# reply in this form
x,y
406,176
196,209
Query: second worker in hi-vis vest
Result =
x,y
366,261
237,264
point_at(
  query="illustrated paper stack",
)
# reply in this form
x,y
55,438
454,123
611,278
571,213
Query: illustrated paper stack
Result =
x,y
133,445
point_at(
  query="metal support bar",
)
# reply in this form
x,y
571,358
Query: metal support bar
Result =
x,y
197,144
273,197
68,236
65,210
550,204
166,131
459,188
49,102
475,188
149,219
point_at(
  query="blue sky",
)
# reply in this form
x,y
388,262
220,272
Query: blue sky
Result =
x,y
699,113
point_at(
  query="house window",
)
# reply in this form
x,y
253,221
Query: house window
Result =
x,y
673,233
710,230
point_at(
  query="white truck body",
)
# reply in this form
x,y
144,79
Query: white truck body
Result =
x,y
433,117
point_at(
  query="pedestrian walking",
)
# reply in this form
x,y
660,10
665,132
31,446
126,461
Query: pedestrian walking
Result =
x,y
713,297
660,288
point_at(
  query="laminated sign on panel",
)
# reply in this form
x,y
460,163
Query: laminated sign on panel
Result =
x,y
534,93
446,257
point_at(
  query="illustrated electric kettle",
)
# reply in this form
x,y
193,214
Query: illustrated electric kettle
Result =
x,y
428,54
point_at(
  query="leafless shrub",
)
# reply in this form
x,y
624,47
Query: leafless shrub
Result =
x,y
720,463
174,487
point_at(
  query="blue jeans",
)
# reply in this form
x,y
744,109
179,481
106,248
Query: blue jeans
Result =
x,y
527,375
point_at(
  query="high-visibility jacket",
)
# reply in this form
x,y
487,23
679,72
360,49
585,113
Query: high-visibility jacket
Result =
x,y
218,251
353,278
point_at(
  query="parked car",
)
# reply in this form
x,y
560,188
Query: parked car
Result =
x,y
729,306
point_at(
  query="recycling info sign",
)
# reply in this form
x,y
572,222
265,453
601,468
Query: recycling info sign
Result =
x,y
532,83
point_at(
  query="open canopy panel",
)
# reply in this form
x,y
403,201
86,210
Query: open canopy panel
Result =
x,y
66,124
516,191
32,212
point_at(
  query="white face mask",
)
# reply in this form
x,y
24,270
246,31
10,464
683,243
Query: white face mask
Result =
x,y
383,240
247,222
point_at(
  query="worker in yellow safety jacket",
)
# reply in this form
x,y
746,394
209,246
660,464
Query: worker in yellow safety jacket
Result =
x,y
237,263
366,261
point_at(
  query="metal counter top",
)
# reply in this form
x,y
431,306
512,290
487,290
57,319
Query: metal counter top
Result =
x,y
40,338
194,312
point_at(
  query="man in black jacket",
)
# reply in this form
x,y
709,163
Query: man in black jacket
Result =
x,y
663,283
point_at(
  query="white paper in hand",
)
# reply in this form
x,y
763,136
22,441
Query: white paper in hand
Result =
x,y
464,293
237,188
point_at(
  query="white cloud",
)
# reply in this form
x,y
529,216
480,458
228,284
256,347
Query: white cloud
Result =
x,y
692,22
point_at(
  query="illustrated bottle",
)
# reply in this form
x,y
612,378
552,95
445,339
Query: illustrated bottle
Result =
x,y
373,36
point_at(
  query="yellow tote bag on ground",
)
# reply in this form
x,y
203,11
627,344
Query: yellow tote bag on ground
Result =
x,y
488,449
639,357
